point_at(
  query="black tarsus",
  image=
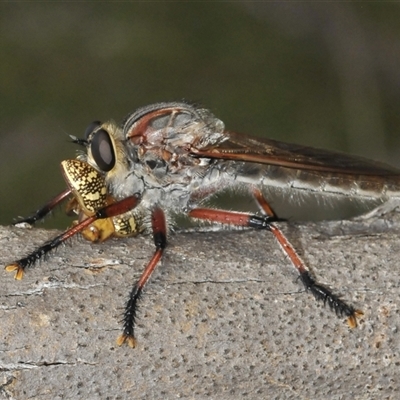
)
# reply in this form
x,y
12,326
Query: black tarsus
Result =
x,y
40,252
160,241
324,294
131,308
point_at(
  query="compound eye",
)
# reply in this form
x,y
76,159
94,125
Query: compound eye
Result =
x,y
91,128
102,150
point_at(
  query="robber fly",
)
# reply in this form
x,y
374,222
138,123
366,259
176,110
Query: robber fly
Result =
x,y
167,159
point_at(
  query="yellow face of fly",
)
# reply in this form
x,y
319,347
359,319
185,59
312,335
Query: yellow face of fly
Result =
x,y
90,195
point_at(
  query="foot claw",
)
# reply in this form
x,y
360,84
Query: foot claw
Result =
x,y
15,267
352,319
129,339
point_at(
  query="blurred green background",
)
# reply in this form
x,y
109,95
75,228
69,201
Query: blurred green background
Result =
x,y
320,74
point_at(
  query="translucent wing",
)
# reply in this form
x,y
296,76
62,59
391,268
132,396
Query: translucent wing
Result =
x,y
272,152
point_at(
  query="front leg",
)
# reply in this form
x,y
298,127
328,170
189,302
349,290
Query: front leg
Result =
x,y
112,210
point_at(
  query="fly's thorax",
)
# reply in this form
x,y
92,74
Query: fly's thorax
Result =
x,y
159,139
172,126
159,178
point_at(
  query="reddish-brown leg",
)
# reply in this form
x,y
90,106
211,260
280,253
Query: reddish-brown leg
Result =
x,y
112,210
159,227
247,220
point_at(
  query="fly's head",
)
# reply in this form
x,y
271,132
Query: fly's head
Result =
x,y
106,152
90,194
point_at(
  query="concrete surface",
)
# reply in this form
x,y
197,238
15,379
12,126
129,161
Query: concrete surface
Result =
x,y
223,318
